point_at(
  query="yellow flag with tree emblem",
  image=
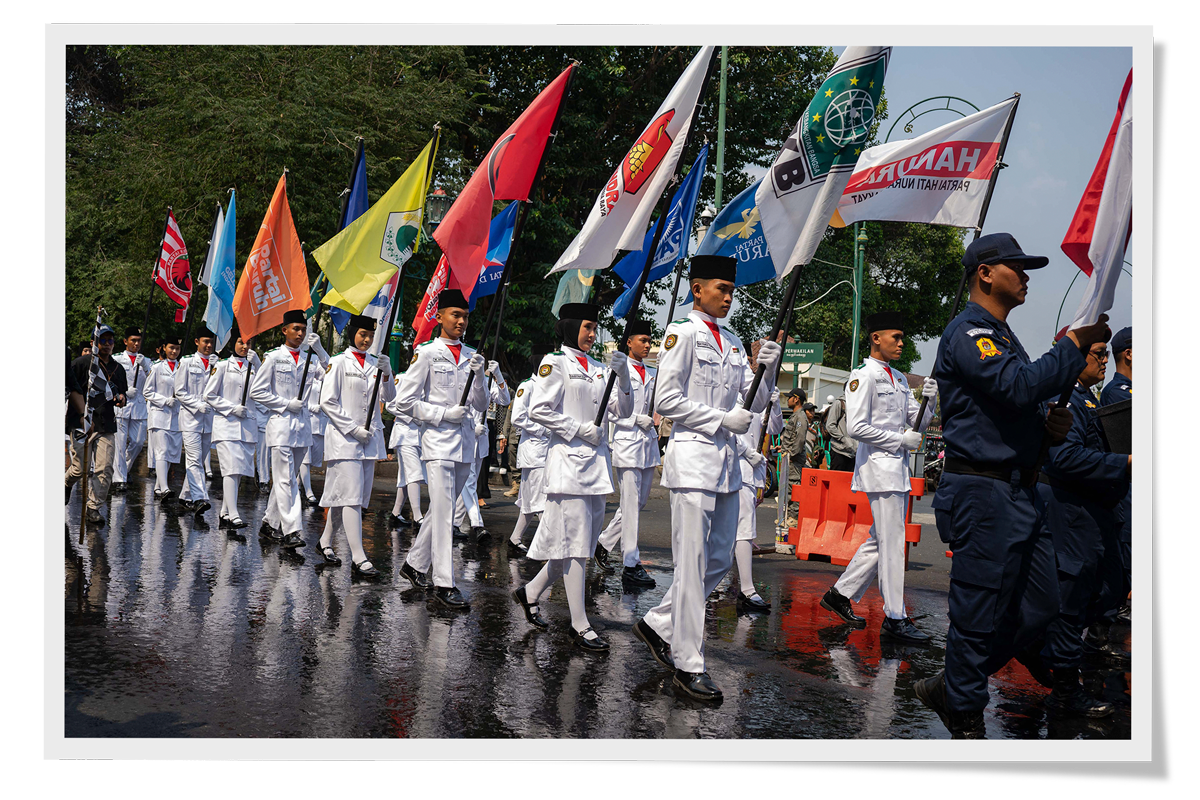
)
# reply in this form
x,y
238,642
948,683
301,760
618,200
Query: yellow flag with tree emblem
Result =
x,y
365,254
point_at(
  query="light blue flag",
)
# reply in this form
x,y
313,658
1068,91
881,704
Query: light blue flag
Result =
x,y
218,314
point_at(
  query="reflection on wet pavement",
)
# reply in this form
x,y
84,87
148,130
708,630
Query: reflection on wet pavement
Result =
x,y
178,629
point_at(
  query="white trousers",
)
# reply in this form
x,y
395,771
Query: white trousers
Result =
x,y
283,509
882,553
635,491
262,455
703,527
434,545
467,505
131,438
196,446
747,513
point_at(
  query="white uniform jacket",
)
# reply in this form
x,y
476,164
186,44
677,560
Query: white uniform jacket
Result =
x,y
345,397
535,439
880,407
261,413
697,383
160,387
135,403
224,393
191,376
566,395
405,430
433,383
318,422
274,386
748,443
635,447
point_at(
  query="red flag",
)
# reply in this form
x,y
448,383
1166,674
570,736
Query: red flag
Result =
x,y
426,319
1078,240
506,174
174,272
275,278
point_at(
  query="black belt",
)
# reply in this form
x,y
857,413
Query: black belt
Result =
x,y
999,472
1090,494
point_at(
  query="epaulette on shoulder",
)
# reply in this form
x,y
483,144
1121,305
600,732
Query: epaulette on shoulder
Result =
x,y
555,353
426,343
680,321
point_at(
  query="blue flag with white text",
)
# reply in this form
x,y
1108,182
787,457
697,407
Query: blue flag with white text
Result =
x,y
499,243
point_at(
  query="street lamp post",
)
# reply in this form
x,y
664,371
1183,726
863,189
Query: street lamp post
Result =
x,y
860,255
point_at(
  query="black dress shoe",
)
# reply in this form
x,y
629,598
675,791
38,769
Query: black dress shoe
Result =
x,y
361,571
753,603
603,560
635,575
237,523
1069,697
117,487
658,646
398,522
269,533
291,541
833,601
450,597
330,558
200,506
460,534
531,614
223,522
697,685
417,579
518,547
902,631
581,641
95,518
480,534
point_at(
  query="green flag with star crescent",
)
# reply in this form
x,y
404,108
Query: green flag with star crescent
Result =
x,y
801,191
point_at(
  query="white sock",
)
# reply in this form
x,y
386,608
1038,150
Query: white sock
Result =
x,y
398,506
327,535
352,522
742,552
573,577
539,588
519,528
160,477
306,479
414,501
230,494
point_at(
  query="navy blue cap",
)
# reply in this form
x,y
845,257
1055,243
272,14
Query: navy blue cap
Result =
x,y
996,248
103,329
1122,340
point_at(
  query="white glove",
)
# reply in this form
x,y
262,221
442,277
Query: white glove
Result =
x,y
769,355
589,433
239,412
738,420
294,406
754,458
203,408
929,389
910,440
313,342
454,414
620,365
476,363
774,396
644,422
170,403
362,434
479,429
493,371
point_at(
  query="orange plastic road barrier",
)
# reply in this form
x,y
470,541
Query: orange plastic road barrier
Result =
x,y
834,520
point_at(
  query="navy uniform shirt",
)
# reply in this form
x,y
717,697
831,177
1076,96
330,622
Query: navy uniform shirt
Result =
x,y
1118,389
991,393
1083,457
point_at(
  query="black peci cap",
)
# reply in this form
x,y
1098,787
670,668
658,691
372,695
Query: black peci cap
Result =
x,y
996,248
638,327
587,312
885,321
452,298
295,315
360,322
205,333
133,330
722,267
172,338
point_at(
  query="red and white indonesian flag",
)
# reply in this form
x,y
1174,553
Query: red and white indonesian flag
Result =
x,y
1103,223
621,214
940,177
173,271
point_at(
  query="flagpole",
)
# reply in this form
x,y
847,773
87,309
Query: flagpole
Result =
x,y
497,304
391,321
154,272
641,284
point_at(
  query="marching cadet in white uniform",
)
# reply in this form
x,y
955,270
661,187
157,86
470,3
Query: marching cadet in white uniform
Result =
x,y
162,416
880,409
701,372
234,429
195,420
467,506
354,438
430,394
531,460
635,456
315,456
754,477
566,399
277,388
410,470
131,417
262,453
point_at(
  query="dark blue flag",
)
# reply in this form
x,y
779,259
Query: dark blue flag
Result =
x,y
499,243
737,233
356,206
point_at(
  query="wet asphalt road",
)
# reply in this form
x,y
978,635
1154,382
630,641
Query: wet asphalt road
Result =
x,y
181,630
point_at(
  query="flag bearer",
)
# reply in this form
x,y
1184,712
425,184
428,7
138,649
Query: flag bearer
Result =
x,y
315,456
162,416
234,429
131,419
635,456
262,453
531,460
754,477
410,470
881,415
701,372
1003,587
277,388
466,509
430,394
566,398
195,420
354,438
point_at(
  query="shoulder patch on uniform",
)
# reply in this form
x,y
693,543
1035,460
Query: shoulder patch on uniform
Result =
x,y
680,321
978,331
854,385
520,391
670,341
544,370
986,348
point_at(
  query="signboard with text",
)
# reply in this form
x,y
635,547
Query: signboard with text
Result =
x,y
804,352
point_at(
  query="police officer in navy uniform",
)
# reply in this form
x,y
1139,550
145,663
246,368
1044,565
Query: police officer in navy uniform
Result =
x,y
1081,484
1118,389
1003,586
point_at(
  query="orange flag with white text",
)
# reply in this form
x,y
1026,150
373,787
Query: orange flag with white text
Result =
x,y
275,278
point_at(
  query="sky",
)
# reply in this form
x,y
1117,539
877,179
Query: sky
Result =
x,y
1068,101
